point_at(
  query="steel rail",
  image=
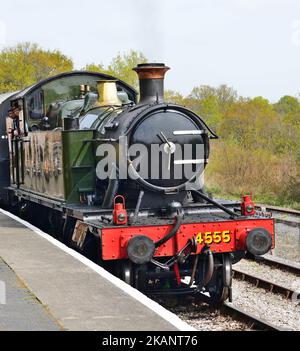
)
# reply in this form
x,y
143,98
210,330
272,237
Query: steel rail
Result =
x,y
236,313
253,321
293,221
266,284
278,209
279,263
288,222
239,314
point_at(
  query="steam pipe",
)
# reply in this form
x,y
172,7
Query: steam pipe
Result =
x,y
210,270
213,202
194,270
173,231
111,191
138,205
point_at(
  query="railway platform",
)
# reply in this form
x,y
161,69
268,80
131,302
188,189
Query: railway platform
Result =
x,y
46,286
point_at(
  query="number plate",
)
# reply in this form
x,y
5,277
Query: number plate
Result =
x,y
217,237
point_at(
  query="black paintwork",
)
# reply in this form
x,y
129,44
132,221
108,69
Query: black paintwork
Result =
x,y
143,124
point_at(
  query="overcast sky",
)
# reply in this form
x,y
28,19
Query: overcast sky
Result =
x,y
251,45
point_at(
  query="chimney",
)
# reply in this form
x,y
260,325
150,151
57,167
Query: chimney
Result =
x,y
151,77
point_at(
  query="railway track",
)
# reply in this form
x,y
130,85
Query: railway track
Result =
x,y
272,285
282,215
266,284
280,263
252,321
278,210
269,285
237,314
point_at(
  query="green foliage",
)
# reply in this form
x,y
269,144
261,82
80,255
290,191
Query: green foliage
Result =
x,y
249,123
287,104
259,146
121,67
211,103
174,97
25,64
259,151
224,95
94,68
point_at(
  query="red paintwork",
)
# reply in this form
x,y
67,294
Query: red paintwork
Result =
x,y
119,209
115,239
247,201
177,273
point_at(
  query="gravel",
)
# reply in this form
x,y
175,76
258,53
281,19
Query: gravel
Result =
x,y
286,216
271,307
273,274
287,242
204,318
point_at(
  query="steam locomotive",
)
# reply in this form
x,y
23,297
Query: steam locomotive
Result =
x,y
121,181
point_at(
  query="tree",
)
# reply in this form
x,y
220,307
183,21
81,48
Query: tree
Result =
x,y
202,92
287,104
27,63
251,124
174,97
121,67
211,103
93,67
223,95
